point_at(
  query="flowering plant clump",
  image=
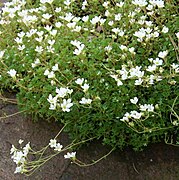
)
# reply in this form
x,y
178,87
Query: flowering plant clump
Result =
x,y
107,69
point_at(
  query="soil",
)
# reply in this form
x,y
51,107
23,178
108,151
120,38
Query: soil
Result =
x,y
159,161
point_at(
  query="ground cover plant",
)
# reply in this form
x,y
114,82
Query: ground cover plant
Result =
x,y
105,69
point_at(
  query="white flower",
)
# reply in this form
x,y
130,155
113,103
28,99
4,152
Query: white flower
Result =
x,y
53,32
76,19
76,43
51,75
58,147
13,149
67,2
108,48
125,119
71,25
136,72
136,115
107,13
58,9
159,3
46,1
165,29
22,47
51,99
19,169
85,18
21,141
18,157
121,33
39,49
138,82
66,105
116,30
158,62
134,100
144,107
85,101
140,3
102,21
46,16
58,24
53,106
40,33
119,82
110,23
85,87
47,72
79,46
140,34
151,79
55,68
95,20
155,34
120,4
105,4
62,92
50,49
149,7
175,123
77,29
71,155
118,17
151,68
163,54
131,50
79,81
147,107
21,34
68,17
48,28
51,42
53,143
18,40
123,47
26,149
1,54
150,107
77,52
175,66
12,73
37,62
177,35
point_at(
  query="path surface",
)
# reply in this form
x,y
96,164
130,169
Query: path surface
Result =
x,y
157,161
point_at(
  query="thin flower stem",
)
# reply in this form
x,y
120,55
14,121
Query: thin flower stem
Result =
x,y
11,115
13,101
90,164
175,47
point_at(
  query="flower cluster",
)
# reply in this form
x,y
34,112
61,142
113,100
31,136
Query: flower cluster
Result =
x,y
65,104
20,156
132,116
79,47
57,146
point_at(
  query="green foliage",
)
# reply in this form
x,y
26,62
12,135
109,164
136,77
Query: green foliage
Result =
x,y
111,47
